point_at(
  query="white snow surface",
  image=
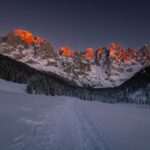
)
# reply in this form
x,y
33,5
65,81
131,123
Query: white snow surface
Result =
x,y
12,87
30,122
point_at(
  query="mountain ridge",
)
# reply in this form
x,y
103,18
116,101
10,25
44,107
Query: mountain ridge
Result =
x,y
96,69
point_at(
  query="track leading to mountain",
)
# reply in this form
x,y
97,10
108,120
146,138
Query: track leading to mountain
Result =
x,y
65,126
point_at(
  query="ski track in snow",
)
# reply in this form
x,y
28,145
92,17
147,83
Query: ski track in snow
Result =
x,y
70,130
30,122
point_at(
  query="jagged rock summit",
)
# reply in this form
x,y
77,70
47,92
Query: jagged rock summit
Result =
x,y
20,44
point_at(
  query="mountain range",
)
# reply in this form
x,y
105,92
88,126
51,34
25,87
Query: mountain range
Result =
x,y
114,70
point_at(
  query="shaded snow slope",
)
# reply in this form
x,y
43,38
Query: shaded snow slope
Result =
x,y
12,86
30,122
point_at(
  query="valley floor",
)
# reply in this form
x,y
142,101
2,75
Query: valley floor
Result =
x,y
29,122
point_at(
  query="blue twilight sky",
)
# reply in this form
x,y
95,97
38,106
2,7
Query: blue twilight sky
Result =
x,y
80,23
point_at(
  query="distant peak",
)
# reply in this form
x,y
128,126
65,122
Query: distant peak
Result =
x,y
89,53
65,51
27,36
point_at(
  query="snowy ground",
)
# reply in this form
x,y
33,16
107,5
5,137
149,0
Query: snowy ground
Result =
x,y
29,122
12,87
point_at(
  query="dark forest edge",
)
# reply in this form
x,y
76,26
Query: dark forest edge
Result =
x,y
134,90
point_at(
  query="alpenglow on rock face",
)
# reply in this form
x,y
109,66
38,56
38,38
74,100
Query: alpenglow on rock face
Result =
x,y
27,37
104,67
65,51
20,44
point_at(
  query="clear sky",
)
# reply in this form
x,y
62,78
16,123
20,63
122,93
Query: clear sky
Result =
x,y
80,23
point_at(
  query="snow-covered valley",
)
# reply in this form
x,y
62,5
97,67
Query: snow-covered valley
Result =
x,y
31,122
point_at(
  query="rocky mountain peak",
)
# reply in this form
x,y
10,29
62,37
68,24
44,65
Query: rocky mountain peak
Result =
x,y
27,36
89,53
21,43
65,51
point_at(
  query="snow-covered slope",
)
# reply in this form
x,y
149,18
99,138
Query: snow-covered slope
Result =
x,y
30,122
97,71
12,87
